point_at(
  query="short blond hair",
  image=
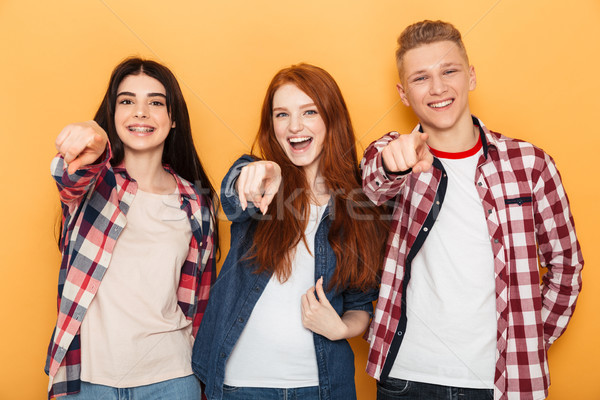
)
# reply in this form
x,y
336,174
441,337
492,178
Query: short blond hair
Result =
x,y
426,32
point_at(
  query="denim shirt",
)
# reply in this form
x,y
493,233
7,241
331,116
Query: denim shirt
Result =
x,y
238,288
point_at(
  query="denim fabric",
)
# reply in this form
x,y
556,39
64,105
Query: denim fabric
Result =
x,y
238,288
185,388
399,389
257,393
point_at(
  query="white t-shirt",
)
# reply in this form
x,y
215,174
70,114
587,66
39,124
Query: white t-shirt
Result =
x,y
134,332
450,337
275,350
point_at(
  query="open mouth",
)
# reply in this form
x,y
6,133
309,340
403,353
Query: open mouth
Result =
x,y
141,130
441,104
299,143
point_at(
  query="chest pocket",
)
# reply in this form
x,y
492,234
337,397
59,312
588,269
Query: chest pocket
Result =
x,y
518,200
519,214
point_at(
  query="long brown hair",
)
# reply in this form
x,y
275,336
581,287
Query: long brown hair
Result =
x,y
357,233
179,151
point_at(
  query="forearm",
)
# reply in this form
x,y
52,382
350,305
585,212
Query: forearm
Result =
x,y
377,184
356,321
229,196
73,186
559,251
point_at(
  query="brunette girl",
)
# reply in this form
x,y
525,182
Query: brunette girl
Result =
x,y
301,272
138,241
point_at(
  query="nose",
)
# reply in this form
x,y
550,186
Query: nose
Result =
x,y
438,86
296,124
141,110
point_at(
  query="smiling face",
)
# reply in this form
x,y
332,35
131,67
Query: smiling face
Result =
x,y
142,119
436,80
299,128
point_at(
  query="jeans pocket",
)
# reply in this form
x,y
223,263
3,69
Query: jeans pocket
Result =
x,y
227,388
393,387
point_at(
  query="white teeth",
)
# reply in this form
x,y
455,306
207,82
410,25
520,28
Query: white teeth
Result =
x,y
140,129
299,139
440,105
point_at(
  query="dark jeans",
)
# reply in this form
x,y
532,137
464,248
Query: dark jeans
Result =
x,y
399,389
258,393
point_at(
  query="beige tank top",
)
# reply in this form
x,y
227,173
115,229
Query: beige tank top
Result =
x,y
134,332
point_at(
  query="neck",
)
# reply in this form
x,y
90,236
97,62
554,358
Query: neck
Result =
x,y
461,137
319,190
148,172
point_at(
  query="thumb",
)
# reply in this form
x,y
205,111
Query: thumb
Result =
x,y
321,292
269,170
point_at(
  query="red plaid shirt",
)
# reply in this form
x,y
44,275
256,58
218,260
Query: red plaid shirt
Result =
x,y
95,201
528,219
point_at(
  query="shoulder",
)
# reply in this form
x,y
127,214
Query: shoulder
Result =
x,y
516,150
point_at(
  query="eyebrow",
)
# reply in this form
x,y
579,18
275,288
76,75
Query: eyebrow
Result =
x,y
444,65
307,105
148,95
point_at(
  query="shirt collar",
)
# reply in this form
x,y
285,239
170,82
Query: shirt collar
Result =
x,y
487,139
185,188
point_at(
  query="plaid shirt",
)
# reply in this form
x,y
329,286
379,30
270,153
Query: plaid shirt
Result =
x,y
528,219
95,201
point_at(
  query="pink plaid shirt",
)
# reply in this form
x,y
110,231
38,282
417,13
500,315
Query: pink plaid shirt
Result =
x,y
95,201
528,219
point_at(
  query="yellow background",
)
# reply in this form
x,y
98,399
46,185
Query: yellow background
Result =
x,y
537,66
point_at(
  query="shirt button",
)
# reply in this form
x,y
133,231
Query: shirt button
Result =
x,y
426,229
192,217
377,183
256,288
437,202
240,320
479,184
496,240
223,355
399,333
490,211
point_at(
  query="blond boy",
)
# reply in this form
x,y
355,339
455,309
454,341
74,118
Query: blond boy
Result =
x,y
461,311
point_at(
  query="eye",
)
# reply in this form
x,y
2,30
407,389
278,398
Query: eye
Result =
x,y
449,71
311,112
419,79
280,115
157,103
126,101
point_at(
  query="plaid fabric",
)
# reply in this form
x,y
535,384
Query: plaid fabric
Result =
x,y
528,219
95,201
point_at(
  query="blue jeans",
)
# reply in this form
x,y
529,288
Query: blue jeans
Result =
x,y
186,388
259,393
399,389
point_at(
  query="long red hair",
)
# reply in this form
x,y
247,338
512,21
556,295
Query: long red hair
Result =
x,y
357,233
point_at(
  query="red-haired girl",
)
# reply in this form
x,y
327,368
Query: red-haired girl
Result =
x,y
305,252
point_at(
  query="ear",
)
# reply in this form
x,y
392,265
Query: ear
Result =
x,y
402,93
472,78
